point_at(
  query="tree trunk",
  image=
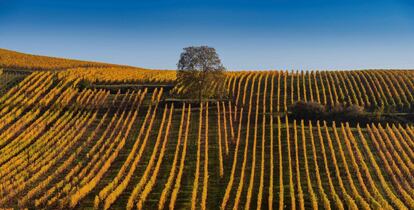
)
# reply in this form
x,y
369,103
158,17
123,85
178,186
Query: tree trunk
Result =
x,y
199,95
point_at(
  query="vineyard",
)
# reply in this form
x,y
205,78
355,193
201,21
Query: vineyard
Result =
x,y
372,89
66,146
16,60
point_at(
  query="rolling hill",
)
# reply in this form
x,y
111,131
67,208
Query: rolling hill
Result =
x,y
67,141
16,60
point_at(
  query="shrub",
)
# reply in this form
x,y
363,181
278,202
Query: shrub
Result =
x,y
307,110
351,112
339,112
354,111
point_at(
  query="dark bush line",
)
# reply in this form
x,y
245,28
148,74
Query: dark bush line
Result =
x,y
353,114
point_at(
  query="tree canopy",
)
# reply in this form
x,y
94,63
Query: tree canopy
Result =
x,y
200,69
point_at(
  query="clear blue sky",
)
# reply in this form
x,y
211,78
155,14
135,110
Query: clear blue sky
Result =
x,y
278,34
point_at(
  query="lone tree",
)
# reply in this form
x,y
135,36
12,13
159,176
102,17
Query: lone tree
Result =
x,y
200,73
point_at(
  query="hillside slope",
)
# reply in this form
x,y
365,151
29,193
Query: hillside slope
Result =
x,y
111,138
62,147
16,60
